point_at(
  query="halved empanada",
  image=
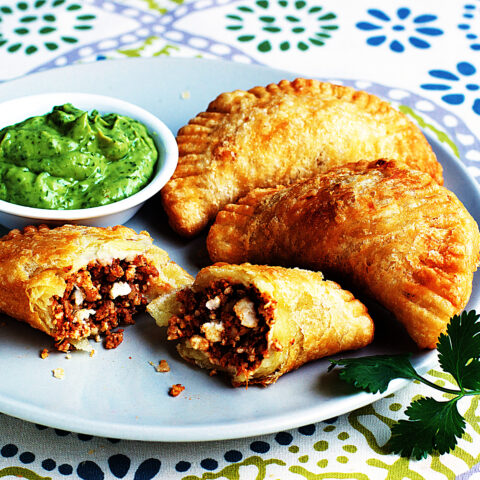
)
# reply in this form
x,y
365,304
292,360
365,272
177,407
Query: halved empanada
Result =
x,y
73,281
278,135
390,230
256,322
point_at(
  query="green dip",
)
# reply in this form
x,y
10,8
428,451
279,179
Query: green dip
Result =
x,y
70,159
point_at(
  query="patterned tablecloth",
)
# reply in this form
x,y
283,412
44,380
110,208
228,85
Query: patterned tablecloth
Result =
x,y
427,50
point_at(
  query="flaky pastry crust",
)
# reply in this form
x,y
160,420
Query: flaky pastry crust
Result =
x,y
389,230
277,135
35,265
308,318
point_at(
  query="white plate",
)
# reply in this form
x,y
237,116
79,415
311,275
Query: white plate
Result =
x,y
117,393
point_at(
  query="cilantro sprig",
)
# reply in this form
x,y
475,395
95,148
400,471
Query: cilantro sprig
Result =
x,y
432,425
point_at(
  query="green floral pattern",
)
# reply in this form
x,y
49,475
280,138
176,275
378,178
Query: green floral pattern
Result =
x,y
31,26
283,24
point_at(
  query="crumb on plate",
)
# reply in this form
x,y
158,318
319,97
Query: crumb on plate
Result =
x,y
58,373
176,390
163,366
44,353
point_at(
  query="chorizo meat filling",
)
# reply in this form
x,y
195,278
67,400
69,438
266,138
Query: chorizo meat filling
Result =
x,y
228,322
100,297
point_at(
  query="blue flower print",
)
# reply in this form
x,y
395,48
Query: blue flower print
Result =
x,y
471,18
458,84
398,29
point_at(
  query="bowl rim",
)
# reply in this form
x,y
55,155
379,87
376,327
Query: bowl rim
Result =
x,y
163,137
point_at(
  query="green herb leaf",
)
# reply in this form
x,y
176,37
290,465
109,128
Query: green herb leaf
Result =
x,y
471,375
374,373
459,349
432,426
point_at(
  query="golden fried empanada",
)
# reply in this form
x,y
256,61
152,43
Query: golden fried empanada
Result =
x,y
278,135
392,231
257,322
72,282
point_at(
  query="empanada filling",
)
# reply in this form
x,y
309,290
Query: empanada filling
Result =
x,y
228,322
100,297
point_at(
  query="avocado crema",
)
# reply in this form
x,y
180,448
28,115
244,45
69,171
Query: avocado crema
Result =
x,y
69,159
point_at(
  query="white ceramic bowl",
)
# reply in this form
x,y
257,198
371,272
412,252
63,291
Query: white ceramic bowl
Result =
x,y
17,110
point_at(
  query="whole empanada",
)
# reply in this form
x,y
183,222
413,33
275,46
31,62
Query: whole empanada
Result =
x,y
277,135
256,322
73,282
390,230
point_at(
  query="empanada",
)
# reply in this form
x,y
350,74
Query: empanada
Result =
x,y
257,322
389,230
278,135
72,282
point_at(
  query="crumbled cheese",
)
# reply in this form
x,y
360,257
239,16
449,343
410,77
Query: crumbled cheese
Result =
x,y
185,95
82,314
120,289
92,352
199,343
245,311
213,331
82,344
78,296
68,356
213,303
58,373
